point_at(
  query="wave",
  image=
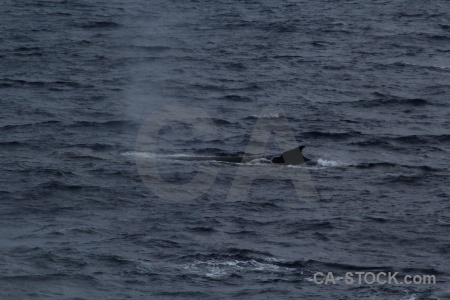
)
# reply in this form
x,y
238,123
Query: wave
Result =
x,y
12,144
234,262
58,185
332,135
269,116
138,154
151,49
423,139
395,142
412,65
18,126
58,84
100,24
96,146
114,123
215,268
237,98
391,100
77,155
28,51
414,180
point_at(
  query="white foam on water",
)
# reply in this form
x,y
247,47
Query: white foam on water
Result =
x,y
259,161
215,273
138,154
268,116
331,163
322,164
145,266
215,268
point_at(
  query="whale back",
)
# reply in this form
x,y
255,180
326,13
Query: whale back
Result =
x,y
291,157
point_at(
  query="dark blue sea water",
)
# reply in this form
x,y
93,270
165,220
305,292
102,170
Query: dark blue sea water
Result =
x,y
364,85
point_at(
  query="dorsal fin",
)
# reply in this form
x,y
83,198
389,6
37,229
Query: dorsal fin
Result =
x,y
294,156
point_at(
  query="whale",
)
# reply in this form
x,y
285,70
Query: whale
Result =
x,y
290,157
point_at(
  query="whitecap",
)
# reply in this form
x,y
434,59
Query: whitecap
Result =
x,y
331,163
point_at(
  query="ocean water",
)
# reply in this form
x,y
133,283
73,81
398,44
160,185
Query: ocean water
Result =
x,y
364,86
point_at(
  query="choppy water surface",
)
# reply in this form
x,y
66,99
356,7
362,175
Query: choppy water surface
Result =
x,y
364,86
